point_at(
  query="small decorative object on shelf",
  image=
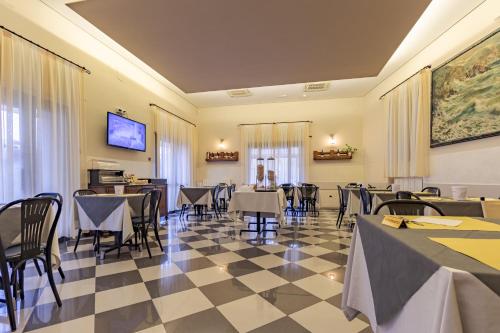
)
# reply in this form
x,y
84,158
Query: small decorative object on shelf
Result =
x,y
335,154
221,156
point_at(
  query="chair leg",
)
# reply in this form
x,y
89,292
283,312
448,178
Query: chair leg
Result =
x,y
157,235
48,263
144,236
7,292
59,269
78,239
21,280
35,261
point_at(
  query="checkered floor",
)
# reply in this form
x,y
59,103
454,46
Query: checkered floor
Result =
x,y
208,280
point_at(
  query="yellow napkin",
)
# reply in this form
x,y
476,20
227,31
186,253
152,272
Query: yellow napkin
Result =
x,y
468,223
486,251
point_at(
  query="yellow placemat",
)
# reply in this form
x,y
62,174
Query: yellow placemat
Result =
x,y
486,251
468,223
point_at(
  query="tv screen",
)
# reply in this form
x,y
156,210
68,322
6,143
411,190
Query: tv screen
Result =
x,y
126,133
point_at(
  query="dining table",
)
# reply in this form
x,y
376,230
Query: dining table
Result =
x,y
425,277
259,204
451,207
108,212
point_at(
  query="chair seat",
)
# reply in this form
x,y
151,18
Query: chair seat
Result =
x,y
138,219
12,253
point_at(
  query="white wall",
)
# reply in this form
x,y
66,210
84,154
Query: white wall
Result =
x,y
341,117
475,162
106,89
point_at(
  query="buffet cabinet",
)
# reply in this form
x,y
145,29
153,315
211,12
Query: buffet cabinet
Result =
x,y
103,189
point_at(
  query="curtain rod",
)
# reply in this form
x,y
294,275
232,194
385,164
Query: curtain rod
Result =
x,y
428,66
279,122
46,49
173,114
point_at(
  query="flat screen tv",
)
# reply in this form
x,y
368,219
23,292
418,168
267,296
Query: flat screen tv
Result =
x,y
126,133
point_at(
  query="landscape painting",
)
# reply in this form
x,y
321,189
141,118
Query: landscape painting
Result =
x,y
466,95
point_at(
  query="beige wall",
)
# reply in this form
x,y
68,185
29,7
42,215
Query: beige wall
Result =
x,y
475,162
106,89
342,117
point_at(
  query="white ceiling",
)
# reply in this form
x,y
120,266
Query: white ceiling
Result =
x,y
439,16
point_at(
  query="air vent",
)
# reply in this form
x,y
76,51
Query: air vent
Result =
x,y
239,93
316,86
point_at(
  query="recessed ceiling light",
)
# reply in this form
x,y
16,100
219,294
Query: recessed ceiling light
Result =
x,y
304,95
282,96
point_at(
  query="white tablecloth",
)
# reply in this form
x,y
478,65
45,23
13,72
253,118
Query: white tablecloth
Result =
x,y
450,301
269,204
120,218
10,229
183,198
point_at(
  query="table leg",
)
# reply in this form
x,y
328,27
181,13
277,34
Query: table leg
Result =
x,y
258,222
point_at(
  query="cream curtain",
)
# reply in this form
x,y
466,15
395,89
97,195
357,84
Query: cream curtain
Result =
x,y
407,110
40,107
288,143
175,152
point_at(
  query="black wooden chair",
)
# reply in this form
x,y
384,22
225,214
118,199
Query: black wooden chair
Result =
x,y
434,190
406,195
78,193
289,190
407,207
59,197
366,200
342,206
309,195
33,218
149,217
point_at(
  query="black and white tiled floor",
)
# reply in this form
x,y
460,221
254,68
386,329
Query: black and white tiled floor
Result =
x,y
208,280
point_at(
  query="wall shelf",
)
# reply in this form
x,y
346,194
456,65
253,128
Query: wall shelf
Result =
x,y
330,156
222,157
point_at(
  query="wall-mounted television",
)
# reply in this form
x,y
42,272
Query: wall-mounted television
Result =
x,y
126,133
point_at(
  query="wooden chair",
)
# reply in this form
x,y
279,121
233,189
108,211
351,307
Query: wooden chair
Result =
x,y
407,207
77,193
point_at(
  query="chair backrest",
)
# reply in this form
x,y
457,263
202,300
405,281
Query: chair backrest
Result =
x,y
230,190
288,189
151,198
366,200
406,195
83,192
146,189
407,207
342,200
53,195
434,190
491,209
353,185
33,218
309,192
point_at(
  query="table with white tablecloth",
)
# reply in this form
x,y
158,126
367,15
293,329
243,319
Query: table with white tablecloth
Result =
x,y
108,212
265,204
404,282
194,196
10,230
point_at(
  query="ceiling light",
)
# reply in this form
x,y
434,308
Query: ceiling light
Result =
x,y
316,86
283,96
304,95
239,93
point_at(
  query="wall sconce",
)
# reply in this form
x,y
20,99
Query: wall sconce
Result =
x,y
332,141
222,145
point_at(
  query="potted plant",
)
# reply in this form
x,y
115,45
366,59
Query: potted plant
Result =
x,y
349,150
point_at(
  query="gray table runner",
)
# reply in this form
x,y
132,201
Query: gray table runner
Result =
x,y
400,261
195,193
98,208
450,208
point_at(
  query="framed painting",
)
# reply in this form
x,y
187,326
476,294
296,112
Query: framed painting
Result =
x,y
466,94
